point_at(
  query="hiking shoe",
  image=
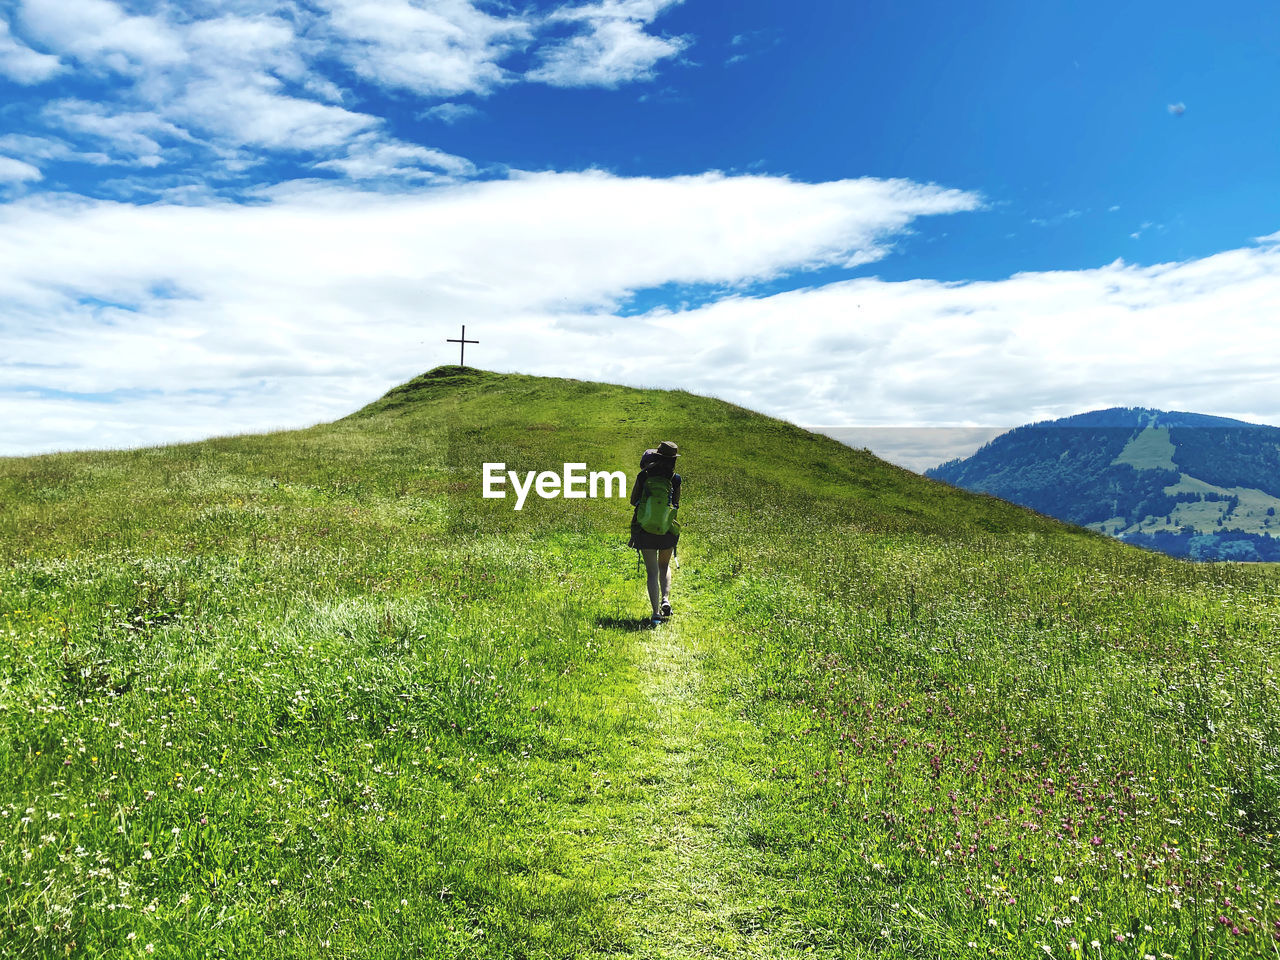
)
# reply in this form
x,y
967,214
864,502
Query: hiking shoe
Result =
x,y
666,608
655,621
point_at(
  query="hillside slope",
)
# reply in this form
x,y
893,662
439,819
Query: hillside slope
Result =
x,y
1182,483
309,694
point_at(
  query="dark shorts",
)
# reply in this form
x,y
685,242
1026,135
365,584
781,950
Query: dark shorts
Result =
x,y
643,540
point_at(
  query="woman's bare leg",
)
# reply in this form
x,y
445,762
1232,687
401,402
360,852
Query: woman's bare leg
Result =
x,y
653,571
664,572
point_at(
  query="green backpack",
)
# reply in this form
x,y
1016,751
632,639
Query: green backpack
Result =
x,y
654,513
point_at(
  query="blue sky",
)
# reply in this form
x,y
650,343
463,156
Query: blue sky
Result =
x,y
1055,112
223,215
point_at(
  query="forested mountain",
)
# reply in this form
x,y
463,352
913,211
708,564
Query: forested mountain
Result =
x,y
1186,484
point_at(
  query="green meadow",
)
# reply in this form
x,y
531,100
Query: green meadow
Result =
x,y
308,694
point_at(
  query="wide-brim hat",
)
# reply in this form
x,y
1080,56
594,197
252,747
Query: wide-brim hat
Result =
x,y
668,449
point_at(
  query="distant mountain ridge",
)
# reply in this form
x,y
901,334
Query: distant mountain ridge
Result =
x,y
1187,484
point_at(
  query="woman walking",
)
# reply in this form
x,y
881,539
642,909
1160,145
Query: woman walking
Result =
x,y
654,530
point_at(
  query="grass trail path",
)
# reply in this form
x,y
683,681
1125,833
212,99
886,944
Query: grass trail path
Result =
x,y
696,887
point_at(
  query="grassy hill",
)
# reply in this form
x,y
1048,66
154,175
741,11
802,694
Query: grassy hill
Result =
x,y
307,694
1182,483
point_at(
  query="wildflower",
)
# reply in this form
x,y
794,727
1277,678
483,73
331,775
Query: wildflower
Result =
x,y
1058,881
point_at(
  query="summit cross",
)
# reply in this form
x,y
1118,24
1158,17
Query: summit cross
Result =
x,y
462,345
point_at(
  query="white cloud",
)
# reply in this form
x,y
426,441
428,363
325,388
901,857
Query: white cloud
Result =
x,y
748,45
101,34
1033,346
252,111
442,49
58,422
373,158
225,78
222,87
23,65
643,11
46,149
316,299
135,135
252,43
449,113
268,300
17,171
234,86
613,48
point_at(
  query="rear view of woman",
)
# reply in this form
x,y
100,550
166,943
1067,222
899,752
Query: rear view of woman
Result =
x,y
654,529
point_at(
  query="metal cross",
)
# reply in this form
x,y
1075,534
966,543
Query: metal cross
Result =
x,y
462,346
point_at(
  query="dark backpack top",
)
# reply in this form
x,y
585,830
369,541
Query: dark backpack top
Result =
x,y
656,466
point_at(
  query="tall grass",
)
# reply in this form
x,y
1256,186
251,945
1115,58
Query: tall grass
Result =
x,y
307,694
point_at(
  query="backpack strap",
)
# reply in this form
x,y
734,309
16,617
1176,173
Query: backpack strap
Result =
x,y
637,492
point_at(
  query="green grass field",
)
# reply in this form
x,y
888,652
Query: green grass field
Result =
x,y
307,694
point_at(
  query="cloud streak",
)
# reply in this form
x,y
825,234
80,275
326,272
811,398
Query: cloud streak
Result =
x,y
17,171
611,49
1029,347
316,300
241,299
